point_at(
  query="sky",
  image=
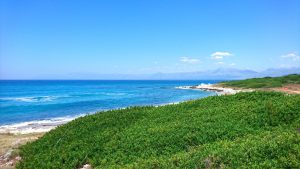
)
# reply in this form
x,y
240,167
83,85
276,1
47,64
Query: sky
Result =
x,y
60,37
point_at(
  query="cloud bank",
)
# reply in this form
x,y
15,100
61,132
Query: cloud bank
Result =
x,y
220,55
293,55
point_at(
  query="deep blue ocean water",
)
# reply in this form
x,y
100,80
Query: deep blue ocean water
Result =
x,y
22,101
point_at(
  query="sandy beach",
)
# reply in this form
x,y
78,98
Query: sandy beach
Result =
x,y
14,135
37,126
9,144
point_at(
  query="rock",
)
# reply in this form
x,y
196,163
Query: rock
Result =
x,y
86,166
10,163
18,158
16,143
8,154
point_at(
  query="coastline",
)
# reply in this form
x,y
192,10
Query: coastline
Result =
x,y
220,90
17,134
45,125
36,126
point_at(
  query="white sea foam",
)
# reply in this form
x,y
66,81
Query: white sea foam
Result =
x,y
32,98
213,88
36,126
46,125
114,94
192,87
183,87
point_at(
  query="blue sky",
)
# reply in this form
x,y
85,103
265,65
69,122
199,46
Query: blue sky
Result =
x,y
57,37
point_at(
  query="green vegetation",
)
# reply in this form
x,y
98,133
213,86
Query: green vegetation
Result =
x,y
267,82
246,130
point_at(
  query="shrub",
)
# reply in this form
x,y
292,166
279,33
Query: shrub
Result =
x,y
246,130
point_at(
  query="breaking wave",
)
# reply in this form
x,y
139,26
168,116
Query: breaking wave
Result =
x,y
32,99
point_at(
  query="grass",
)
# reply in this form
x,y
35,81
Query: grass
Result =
x,y
246,130
266,82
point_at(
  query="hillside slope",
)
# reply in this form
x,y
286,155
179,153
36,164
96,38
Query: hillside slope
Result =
x,y
246,130
266,82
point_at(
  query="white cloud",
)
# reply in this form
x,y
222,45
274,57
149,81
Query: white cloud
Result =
x,y
293,55
220,55
189,60
232,64
220,63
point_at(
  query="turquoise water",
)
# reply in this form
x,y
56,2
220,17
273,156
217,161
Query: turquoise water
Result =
x,y
22,101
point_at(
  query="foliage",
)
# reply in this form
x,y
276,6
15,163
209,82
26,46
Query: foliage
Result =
x,y
266,82
246,130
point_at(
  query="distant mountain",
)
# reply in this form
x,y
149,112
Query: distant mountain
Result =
x,y
225,74
280,71
221,73
216,74
231,73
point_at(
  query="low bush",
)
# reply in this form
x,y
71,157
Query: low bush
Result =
x,y
267,82
246,130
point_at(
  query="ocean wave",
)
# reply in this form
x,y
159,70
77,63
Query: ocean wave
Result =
x,y
183,87
99,94
37,126
115,94
192,87
45,125
32,98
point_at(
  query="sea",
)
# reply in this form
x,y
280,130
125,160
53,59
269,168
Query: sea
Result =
x,y
28,102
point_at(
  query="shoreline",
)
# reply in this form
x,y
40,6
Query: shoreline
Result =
x,y
12,136
45,125
17,134
35,126
220,90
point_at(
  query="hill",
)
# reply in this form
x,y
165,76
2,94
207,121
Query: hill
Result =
x,y
245,130
266,82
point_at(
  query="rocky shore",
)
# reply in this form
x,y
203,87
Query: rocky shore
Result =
x,y
215,88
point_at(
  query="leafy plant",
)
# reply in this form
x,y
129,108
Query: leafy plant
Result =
x,y
246,130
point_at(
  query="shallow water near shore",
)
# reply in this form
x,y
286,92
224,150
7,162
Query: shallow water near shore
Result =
x,y
52,102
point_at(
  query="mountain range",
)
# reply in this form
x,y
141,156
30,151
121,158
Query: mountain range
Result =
x,y
216,74
227,73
